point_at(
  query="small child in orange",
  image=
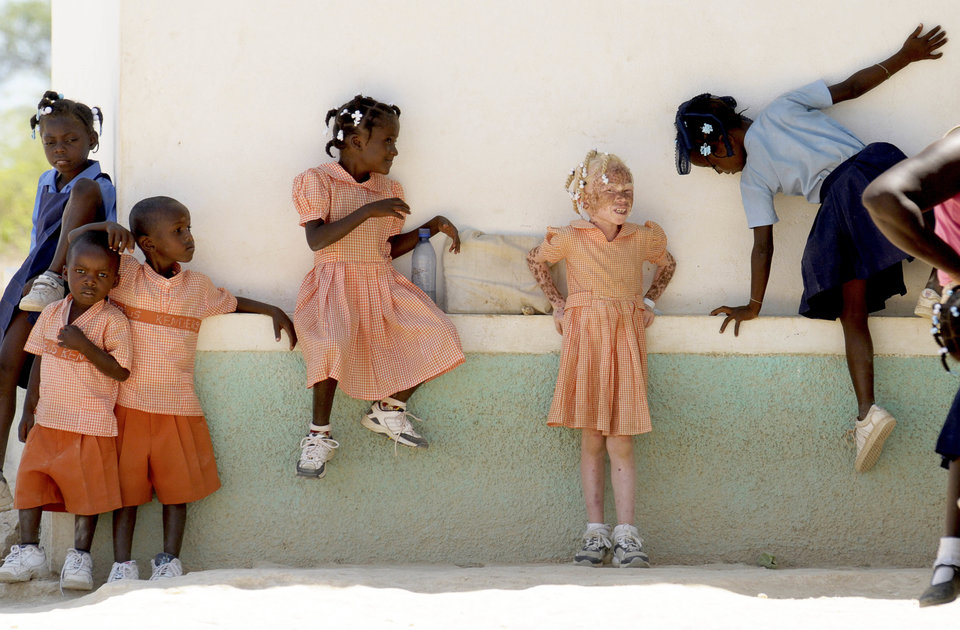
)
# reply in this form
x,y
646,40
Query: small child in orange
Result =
x,y
163,441
602,385
84,350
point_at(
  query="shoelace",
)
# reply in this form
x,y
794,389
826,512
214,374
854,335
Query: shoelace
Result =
x,y
73,563
14,556
316,448
628,542
165,570
406,426
595,541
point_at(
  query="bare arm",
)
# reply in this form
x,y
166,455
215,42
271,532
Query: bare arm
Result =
x,y
280,319
541,273
916,48
760,258
30,402
118,236
661,278
321,234
73,338
400,244
897,199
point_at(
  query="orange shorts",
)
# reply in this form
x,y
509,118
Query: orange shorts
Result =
x,y
169,455
62,471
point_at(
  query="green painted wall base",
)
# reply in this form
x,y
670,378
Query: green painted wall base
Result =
x,y
746,457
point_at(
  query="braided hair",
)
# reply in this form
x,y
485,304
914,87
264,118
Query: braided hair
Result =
x,y
593,167
53,104
361,113
946,326
701,123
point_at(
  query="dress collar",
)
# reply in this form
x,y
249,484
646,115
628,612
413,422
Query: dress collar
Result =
x,y
376,182
625,230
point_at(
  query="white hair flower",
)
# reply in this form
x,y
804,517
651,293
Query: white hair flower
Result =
x,y
604,179
582,183
705,149
707,128
340,135
357,117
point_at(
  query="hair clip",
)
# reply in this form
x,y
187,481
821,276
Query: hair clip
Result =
x,y
955,311
357,117
705,149
706,129
604,179
582,183
345,112
60,95
340,135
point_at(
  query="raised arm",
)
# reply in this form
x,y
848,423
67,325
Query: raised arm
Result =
x,y
321,234
897,199
541,274
760,258
917,47
119,237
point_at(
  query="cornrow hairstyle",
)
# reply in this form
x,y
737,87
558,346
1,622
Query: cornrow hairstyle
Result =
x,y
97,239
594,165
361,113
53,104
946,326
703,121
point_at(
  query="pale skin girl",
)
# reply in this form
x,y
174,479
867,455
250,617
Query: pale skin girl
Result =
x,y
608,205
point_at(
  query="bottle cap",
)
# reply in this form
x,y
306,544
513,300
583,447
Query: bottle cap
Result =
x,y
424,232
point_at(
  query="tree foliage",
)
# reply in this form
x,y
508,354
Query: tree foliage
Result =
x,y
24,37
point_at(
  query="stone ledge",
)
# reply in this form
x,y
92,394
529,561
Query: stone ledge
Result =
x,y
670,334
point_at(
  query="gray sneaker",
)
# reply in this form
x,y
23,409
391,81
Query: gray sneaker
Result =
x,y
628,548
315,452
47,288
394,423
596,543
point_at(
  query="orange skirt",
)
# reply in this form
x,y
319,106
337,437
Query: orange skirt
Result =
x,y
62,471
169,455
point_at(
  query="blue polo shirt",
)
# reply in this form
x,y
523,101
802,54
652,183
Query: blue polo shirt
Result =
x,y
48,182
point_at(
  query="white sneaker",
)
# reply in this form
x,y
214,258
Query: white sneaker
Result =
x,y
394,423
596,543
46,289
165,566
124,571
628,548
77,571
315,452
6,498
24,562
869,435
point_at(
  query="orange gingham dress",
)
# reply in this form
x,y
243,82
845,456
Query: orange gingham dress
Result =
x,y
358,320
602,382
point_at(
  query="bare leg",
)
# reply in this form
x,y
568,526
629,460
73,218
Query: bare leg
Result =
x,y
174,522
323,393
405,395
84,527
124,522
30,526
591,473
12,357
933,282
622,476
858,342
85,199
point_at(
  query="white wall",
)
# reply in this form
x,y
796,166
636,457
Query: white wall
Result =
x,y
221,103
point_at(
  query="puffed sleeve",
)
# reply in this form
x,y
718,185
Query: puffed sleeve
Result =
x,y
554,245
117,339
655,243
216,301
311,195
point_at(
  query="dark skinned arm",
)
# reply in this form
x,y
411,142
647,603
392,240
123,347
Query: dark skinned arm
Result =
x,y
73,338
898,198
119,237
280,319
321,234
27,418
400,244
917,47
760,258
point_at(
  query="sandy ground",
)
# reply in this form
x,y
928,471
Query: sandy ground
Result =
x,y
528,596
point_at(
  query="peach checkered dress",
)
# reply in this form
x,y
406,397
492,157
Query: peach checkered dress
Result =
x,y
358,320
602,383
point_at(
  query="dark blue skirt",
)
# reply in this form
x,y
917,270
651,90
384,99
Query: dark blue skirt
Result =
x,y
844,244
948,444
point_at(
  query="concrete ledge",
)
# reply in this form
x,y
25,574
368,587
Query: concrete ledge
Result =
x,y
670,334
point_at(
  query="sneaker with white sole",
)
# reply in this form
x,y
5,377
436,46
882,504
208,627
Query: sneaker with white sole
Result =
x,y
315,451
6,497
124,571
47,289
390,417
596,543
869,435
628,550
24,562
165,566
77,571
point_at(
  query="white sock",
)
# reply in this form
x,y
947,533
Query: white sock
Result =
x,y
947,554
320,429
601,526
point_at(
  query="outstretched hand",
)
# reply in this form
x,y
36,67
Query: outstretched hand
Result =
x,y
735,314
447,227
919,47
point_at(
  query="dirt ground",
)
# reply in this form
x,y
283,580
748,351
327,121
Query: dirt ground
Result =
x,y
527,596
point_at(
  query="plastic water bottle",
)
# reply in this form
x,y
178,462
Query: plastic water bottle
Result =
x,y
423,271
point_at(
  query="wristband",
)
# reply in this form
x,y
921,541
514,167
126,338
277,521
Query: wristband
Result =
x,y
650,303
